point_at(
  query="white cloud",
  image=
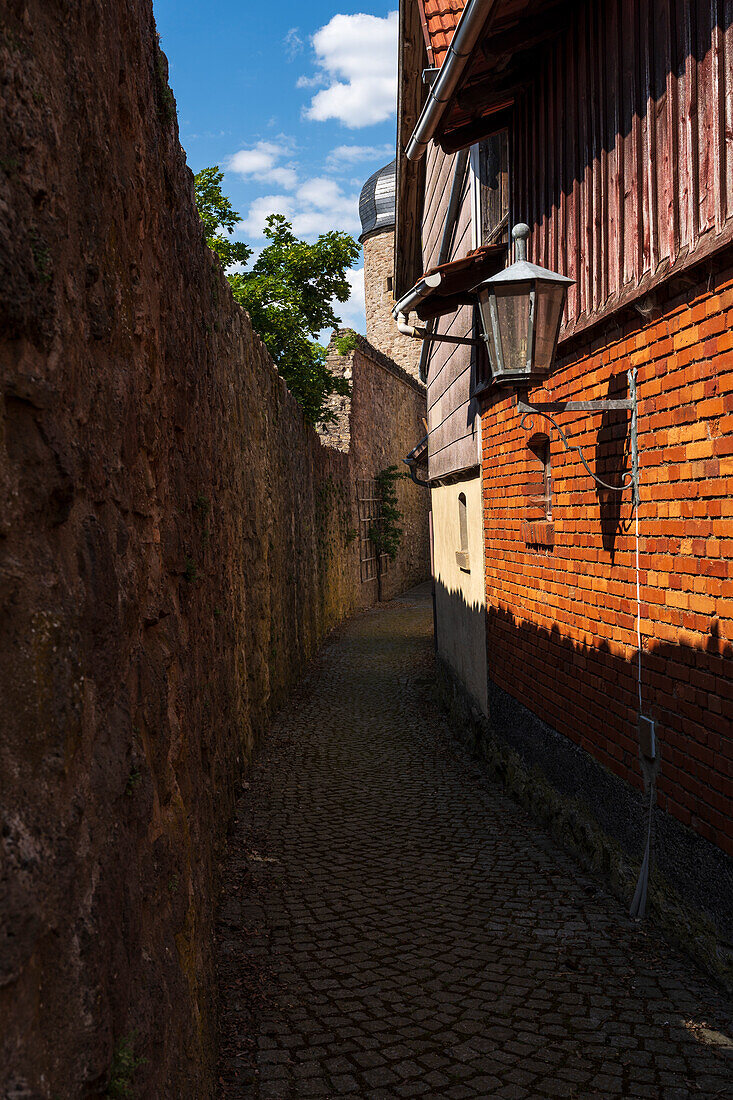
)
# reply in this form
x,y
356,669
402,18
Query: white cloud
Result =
x,y
260,158
358,55
353,312
347,155
283,177
316,81
260,209
260,162
318,205
293,43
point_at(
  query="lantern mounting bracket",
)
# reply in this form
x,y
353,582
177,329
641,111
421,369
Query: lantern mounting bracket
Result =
x,y
546,408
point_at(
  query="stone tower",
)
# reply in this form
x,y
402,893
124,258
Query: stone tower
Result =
x,y
377,213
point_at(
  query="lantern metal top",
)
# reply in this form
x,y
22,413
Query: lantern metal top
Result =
x,y
521,312
522,270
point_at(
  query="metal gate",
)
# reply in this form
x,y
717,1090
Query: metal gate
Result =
x,y
368,498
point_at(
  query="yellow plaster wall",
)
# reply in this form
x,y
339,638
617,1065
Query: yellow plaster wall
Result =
x,y
460,595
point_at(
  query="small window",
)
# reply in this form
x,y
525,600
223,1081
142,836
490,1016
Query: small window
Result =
x,y
462,554
538,528
493,188
389,284
540,485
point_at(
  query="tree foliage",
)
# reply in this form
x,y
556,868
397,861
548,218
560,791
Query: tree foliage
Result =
x,y
287,292
216,212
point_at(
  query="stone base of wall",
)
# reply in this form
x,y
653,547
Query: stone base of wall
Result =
x,y
601,820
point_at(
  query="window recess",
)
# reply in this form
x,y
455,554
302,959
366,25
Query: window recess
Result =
x,y
537,527
462,559
490,164
489,218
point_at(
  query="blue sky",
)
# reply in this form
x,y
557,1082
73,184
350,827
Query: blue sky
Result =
x,y
295,102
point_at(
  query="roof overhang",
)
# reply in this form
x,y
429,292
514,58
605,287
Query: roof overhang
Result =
x,y
489,62
446,288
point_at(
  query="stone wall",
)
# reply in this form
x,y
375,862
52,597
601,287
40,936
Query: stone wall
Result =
x,y
382,394
382,332
174,542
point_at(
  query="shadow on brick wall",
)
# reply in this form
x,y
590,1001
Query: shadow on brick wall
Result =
x,y
613,462
569,712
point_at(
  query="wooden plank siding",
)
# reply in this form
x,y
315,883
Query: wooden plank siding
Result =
x,y
621,161
453,423
622,150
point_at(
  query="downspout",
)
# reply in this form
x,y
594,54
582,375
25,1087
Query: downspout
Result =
x,y
472,21
411,462
411,301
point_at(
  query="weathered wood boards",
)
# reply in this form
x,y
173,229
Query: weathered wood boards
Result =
x,y
623,150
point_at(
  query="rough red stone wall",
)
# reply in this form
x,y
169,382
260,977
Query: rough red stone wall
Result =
x,y
174,542
561,619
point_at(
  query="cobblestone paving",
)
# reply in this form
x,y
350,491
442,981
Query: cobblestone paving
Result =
x,y
392,926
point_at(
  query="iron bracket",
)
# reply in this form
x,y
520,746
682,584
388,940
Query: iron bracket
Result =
x,y
610,404
441,338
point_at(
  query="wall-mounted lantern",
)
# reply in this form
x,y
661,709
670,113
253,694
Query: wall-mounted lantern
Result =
x,y
521,310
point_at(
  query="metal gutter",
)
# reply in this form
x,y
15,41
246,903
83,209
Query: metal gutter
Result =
x,y
416,294
472,21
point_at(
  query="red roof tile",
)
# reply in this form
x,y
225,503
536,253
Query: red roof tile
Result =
x,y
441,17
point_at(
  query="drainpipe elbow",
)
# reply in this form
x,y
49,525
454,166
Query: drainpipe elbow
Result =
x,y
409,330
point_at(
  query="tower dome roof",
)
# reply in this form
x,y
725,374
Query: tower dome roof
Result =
x,y
377,200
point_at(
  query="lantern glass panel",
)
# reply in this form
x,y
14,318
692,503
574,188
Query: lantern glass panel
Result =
x,y
550,299
513,311
488,328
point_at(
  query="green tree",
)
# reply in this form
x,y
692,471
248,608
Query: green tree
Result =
x,y
216,212
288,291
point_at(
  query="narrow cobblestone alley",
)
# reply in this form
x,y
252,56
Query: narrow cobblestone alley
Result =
x,y
393,926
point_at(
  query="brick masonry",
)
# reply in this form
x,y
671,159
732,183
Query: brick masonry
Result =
x,y
561,619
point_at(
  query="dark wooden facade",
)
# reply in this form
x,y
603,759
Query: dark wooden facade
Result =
x,y
622,158
452,413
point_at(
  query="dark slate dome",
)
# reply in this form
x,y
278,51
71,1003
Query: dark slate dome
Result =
x,y
377,200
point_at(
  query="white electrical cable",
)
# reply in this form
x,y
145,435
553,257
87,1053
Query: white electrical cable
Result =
x,y
638,598
638,904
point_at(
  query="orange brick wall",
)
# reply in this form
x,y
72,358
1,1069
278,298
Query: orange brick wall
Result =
x,y
561,621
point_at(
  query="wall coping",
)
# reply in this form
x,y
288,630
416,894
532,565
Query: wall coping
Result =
x,y
378,357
